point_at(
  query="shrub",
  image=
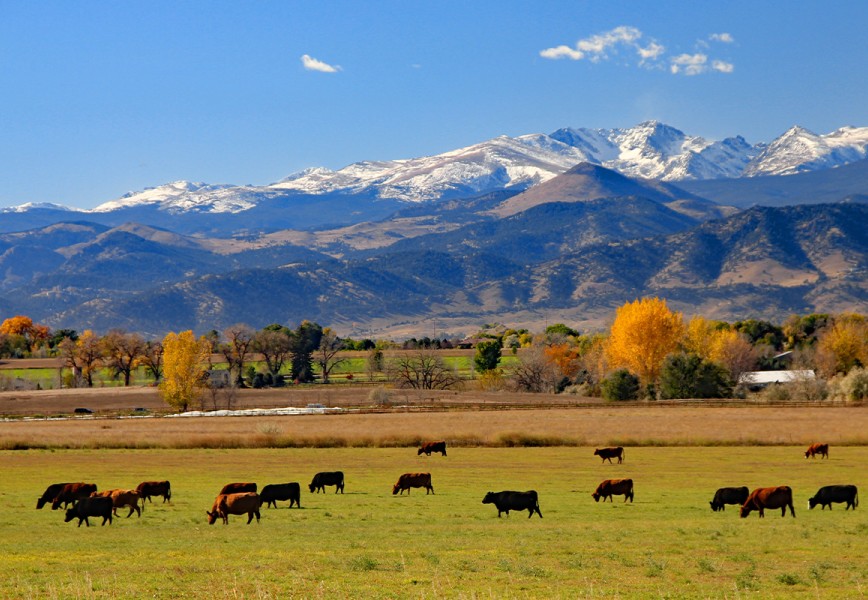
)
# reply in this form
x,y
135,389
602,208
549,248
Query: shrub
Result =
x,y
380,396
620,385
853,386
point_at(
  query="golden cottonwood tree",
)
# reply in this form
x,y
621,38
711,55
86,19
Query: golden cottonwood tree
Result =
x,y
843,344
185,361
643,333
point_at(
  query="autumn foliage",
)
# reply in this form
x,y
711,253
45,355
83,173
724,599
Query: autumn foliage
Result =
x,y
644,332
185,362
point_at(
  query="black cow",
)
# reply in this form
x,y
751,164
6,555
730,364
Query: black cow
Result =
x,y
429,447
825,496
508,500
320,480
91,507
729,495
610,453
50,493
281,491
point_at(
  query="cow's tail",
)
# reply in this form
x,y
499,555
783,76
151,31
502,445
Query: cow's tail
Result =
x,y
856,499
168,491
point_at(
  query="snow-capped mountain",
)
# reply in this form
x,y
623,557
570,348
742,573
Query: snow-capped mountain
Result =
x,y
650,150
800,150
501,163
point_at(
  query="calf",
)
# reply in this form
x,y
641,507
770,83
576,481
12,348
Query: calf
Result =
x,y
771,497
614,487
146,489
121,498
610,453
508,500
729,495
281,491
90,507
413,480
237,488
234,504
72,492
429,447
49,494
814,449
320,480
825,496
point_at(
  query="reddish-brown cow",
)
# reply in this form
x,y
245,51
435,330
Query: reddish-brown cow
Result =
x,y
237,488
770,497
815,449
121,498
72,492
413,480
146,489
614,487
234,504
429,447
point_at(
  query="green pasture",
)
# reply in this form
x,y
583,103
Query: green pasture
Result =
x,y
368,543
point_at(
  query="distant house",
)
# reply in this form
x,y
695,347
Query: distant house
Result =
x,y
760,379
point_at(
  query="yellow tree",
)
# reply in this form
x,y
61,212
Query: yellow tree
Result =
x,y
643,333
732,350
24,326
698,336
185,361
843,345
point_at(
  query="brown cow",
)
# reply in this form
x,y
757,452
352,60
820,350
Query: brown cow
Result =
x,y
146,489
814,449
429,447
614,487
610,453
237,488
121,498
72,492
234,504
413,480
770,497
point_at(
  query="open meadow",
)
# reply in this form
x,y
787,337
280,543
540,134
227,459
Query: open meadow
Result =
x,y
369,543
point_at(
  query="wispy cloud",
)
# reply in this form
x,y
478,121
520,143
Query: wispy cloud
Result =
x,y
599,47
648,53
312,64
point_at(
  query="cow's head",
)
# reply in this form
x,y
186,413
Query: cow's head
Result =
x,y
395,489
421,450
489,498
745,510
597,452
807,454
312,487
212,516
596,496
812,502
40,502
715,506
70,515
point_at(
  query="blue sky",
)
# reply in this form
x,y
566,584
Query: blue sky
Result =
x,y
101,98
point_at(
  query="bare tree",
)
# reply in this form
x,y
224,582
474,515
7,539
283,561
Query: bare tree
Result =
x,y
326,355
535,372
236,349
275,347
422,370
83,356
152,359
122,352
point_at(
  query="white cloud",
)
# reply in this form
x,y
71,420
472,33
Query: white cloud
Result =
x,y
724,37
312,64
722,67
650,54
689,64
597,47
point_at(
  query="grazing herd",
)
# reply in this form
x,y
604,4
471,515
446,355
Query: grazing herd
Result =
x,y
243,499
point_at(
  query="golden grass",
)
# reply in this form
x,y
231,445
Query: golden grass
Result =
x,y
637,425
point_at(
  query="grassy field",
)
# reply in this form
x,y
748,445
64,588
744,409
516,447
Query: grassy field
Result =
x,y
368,543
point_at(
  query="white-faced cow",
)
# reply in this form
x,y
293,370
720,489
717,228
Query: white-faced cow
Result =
x,y
770,497
321,480
234,504
508,500
413,480
729,495
826,495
